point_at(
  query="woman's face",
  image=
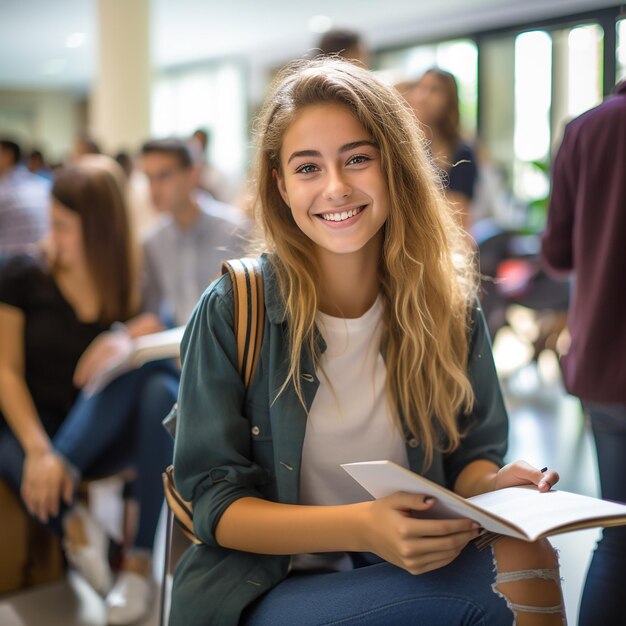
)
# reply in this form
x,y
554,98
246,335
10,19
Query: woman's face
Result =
x,y
429,99
331,178
66,235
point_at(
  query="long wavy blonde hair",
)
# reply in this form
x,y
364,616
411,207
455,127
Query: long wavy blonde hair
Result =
x,y
426,277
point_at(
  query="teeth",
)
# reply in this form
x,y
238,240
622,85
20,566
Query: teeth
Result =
x,y
340,217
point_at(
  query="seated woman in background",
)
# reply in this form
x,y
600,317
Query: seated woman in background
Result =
x,y
56,311
435,99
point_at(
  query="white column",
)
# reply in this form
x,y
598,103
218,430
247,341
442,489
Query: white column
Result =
x,y
120,103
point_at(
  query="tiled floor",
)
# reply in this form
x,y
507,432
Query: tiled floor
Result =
x,y
547,428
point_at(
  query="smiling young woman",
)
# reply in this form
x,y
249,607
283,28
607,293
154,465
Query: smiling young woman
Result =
x,y
373,347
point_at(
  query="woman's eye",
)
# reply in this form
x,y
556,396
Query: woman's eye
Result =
x,y
308,168
357,159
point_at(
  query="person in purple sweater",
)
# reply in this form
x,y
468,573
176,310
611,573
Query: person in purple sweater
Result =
x,y
584,237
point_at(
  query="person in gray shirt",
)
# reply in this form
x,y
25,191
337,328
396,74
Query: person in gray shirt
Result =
x,y
24,200
184,250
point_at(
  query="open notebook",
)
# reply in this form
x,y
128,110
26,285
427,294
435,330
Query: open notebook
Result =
x,y
521,512
153,347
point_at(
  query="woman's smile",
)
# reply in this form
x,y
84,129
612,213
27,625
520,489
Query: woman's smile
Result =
x,y
341,217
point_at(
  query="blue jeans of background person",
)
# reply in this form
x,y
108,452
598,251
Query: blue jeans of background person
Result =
x,y
114,429
378,593
604,595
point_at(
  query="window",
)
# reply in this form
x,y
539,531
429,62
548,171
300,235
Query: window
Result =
x,y
621,50
212,97
459,57
533,83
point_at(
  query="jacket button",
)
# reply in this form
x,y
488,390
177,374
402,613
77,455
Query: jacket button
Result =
x,y
308,378
255,430
413,443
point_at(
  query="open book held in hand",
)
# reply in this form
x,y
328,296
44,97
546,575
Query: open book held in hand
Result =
x,y
146,348
521,512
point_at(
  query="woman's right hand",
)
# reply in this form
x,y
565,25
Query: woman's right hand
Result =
x,y
416,545
144,324
107,349
45,480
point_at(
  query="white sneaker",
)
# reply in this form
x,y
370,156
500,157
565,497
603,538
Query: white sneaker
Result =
x,y
92,560
129,600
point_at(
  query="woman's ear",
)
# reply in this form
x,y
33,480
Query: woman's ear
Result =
x,y
280,184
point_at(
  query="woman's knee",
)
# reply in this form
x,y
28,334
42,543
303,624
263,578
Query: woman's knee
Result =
x,y
513,553
527,576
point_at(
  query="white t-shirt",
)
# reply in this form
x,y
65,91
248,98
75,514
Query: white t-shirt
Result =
x,y
351,418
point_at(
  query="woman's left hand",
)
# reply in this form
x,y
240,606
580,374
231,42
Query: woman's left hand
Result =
x,y
522,473
45,482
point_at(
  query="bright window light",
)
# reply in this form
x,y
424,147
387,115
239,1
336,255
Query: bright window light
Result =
x,y
621,50
459,57
212,98
584,63
533,84
75,40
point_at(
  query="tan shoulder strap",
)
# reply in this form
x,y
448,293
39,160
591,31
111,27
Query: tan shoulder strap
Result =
x,y
249,313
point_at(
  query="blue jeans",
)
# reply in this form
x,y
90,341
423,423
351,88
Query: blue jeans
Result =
x,y
603,600
378,593
117,428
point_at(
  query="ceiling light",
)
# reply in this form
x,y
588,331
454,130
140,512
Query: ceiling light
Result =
x,y
320,23
75,40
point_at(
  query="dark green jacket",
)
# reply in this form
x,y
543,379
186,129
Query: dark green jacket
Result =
x,y
230,445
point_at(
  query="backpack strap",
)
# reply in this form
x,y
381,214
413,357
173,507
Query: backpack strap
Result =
x,y
249,313
249,319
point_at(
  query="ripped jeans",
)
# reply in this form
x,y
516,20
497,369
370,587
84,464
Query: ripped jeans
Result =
x,y
378,593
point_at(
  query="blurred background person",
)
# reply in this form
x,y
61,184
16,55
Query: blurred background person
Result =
x,y
184,250
346,43
584,238
24,201
435,99
125,161
142,212
52,433
37,165
211,180
83,144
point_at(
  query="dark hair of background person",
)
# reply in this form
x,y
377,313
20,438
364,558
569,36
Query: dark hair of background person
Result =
x,y
339,41
93,188
11,146
36,160
174,147
88,145
450,126
125,162
203,135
